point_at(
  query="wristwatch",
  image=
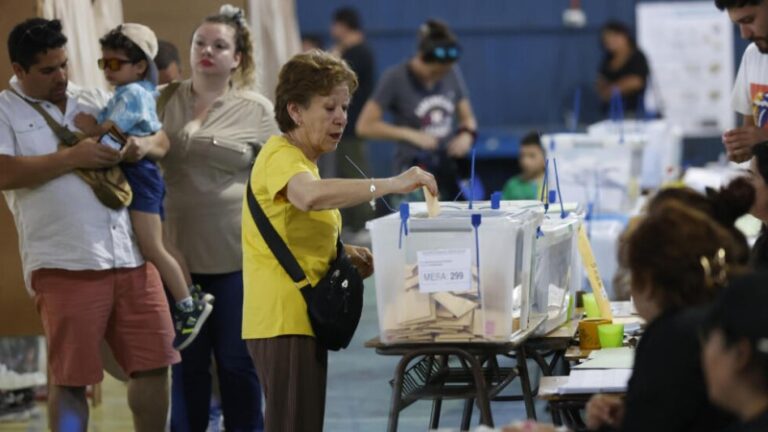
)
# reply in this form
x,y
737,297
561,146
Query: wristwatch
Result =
x,y
471,132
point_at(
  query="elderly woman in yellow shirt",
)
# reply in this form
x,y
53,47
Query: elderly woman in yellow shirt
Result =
x,y
312,98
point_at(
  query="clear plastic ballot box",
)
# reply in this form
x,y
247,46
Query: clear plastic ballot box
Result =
x,y
557,270
463,276
599,171
662,145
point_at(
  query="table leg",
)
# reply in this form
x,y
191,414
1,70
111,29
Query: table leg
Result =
x,y
557,418
525,382
483,401
466,417
546,369
397,389
558,356
566,365
434,421
575,419
437,404
470,363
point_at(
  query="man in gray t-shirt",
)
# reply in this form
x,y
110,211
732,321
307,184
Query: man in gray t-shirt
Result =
x,y
433,123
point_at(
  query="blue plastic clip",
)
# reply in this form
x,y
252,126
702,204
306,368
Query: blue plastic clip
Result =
x,y
496,200
405,213
476,221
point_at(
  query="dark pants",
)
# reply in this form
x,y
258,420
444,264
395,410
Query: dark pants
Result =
x,y
221,336
294,372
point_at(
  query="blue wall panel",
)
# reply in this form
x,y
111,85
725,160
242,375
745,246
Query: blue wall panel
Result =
x,y
522,66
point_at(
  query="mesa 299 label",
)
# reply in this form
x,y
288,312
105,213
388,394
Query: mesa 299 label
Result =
x,y
445,270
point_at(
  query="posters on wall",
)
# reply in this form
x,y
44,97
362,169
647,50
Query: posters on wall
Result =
x,y
689,46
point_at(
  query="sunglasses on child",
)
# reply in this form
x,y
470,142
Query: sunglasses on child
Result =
x,y
113,64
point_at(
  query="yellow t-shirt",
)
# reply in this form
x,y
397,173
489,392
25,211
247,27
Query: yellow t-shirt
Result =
x,y
272,304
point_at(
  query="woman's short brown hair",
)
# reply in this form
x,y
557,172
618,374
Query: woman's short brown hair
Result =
x,y
315,73
664,251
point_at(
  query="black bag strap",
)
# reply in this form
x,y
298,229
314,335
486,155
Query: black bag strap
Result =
x,y
275,242
66,136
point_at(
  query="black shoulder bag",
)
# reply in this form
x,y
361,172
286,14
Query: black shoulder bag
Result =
x,y
335,304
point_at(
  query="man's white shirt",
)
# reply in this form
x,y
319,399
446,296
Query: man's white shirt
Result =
x,y
61,224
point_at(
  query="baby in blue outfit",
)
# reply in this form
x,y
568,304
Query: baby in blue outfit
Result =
x,y
128,62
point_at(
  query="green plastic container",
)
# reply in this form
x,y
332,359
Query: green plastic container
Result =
x,y
590,306
611,335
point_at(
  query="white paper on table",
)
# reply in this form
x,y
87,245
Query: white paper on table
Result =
x,y
610,358
445,270
623,309
588,381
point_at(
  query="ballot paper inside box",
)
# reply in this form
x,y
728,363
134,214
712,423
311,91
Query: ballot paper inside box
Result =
x,y
557,270
446,281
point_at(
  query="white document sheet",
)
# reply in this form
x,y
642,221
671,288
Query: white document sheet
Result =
x,y
597,381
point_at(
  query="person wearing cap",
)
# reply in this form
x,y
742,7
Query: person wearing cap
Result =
x,y
735,352
81,263
128,53
433,123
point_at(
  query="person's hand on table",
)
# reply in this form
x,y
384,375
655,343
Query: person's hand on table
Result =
x,y
460,145
361,258
604,410
739,142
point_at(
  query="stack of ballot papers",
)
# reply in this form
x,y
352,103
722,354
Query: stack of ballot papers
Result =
x,y
592,381
440,316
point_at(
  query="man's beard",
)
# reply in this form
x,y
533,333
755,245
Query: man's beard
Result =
x,y
761,44
58,94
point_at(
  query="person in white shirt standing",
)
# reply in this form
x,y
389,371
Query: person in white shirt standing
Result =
x,y
80,258
750,92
